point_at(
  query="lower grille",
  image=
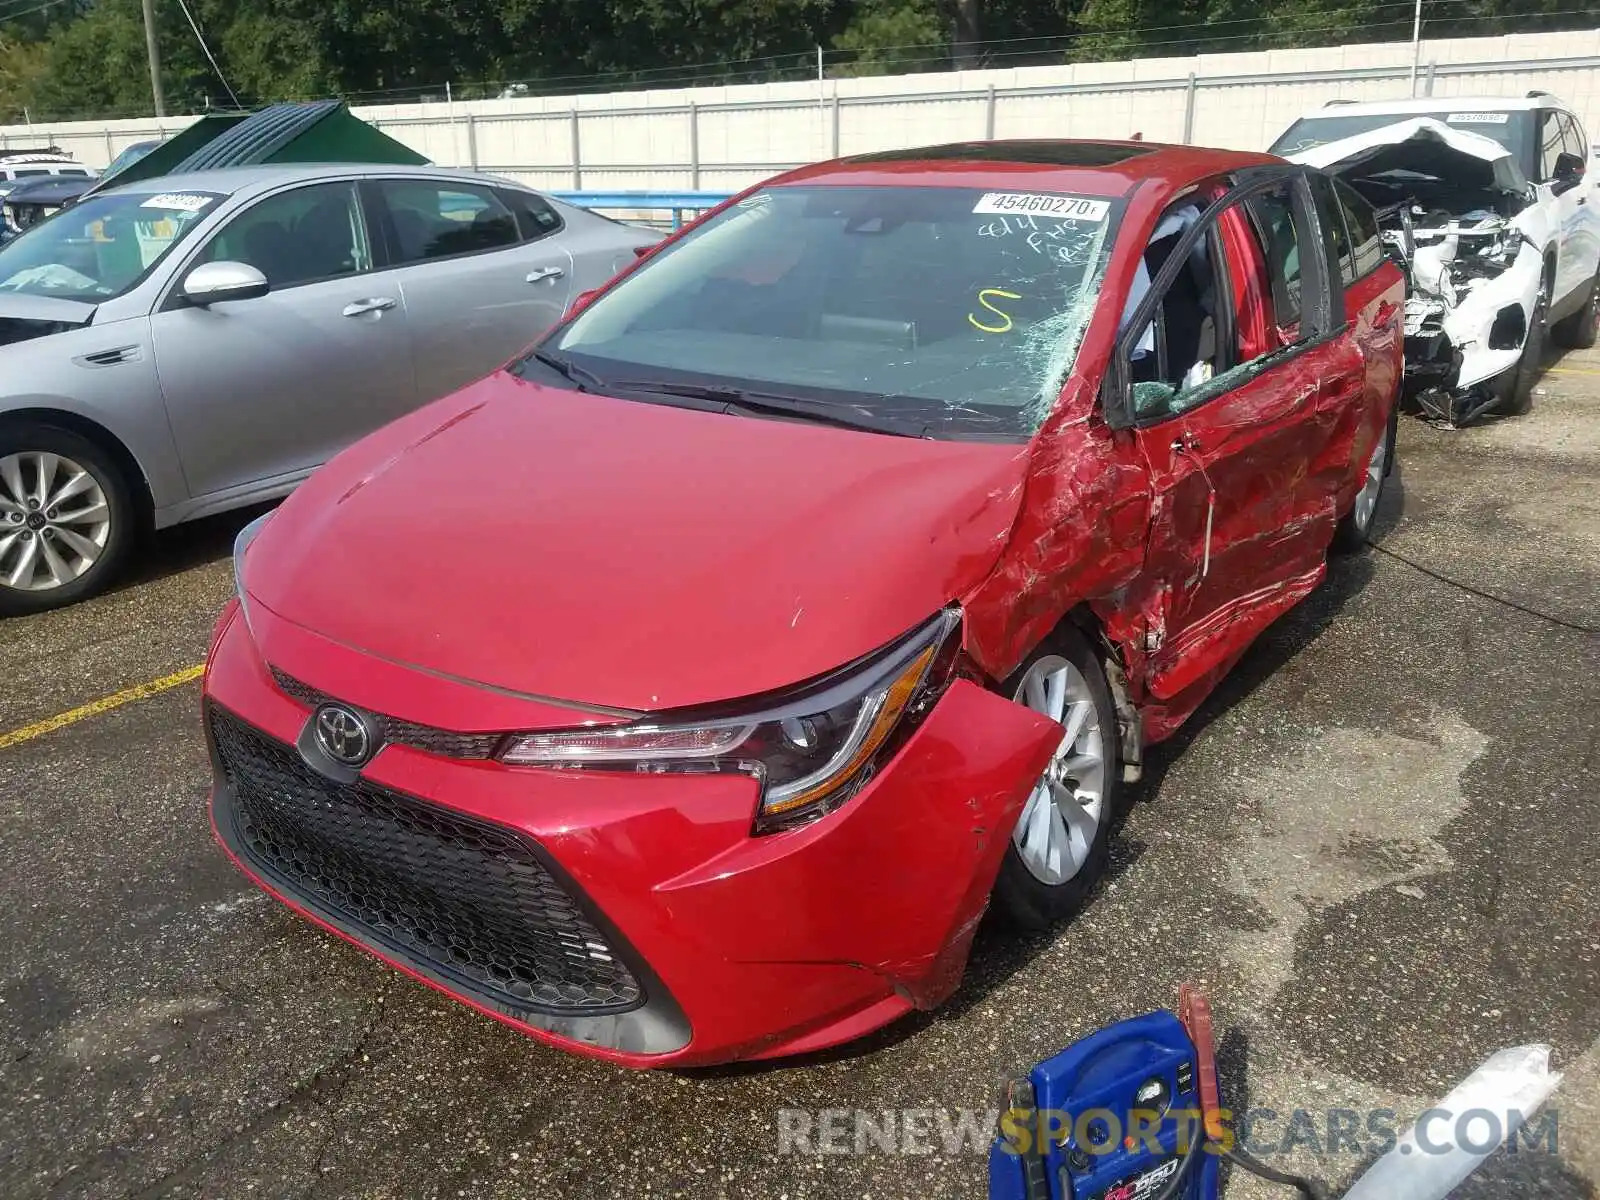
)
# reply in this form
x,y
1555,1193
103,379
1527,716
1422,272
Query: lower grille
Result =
x,y
465,899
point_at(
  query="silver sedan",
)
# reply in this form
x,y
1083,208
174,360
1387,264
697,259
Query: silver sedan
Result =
x,y
190,344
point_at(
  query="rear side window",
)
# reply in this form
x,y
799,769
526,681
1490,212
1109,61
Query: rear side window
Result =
x,y
1362,222
1330,212
27,174
433,219
1572,142
535,218
73,171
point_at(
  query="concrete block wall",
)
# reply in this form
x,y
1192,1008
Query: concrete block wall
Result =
x,y
722,138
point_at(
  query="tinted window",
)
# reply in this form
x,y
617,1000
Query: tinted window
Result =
x,y
1272,214
74,171
26,173
952,309
1362,222
440,220
297,237
535,218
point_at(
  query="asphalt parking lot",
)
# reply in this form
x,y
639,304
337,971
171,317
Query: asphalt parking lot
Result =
x,y
1375,847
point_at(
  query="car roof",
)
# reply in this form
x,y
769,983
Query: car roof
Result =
x,y
1433,104
231,180
1097,167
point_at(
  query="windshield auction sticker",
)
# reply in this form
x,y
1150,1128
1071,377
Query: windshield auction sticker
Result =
x,y
179,201
1477,118
1037,204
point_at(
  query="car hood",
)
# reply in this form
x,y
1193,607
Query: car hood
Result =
x,y
1421,145
563,545
23,318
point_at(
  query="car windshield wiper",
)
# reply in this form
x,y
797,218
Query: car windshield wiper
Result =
x,y
584,380
765,404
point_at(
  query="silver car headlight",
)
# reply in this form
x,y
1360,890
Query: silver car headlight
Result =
x,y
811,748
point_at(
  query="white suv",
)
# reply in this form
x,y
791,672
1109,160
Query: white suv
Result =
x,y
1494,207
17,165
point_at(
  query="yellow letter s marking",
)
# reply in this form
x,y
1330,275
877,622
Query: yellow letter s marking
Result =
x,y
983,299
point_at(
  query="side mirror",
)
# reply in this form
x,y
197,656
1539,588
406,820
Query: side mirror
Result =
x,y
1568,173
213,282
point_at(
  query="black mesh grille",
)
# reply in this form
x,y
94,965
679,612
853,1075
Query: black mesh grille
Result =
x,y
468,899
401,733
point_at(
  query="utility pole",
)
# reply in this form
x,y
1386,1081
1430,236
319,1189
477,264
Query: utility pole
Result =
x,y
155,56
1416,47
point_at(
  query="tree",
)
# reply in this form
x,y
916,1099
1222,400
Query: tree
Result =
x,y
890,36
20,64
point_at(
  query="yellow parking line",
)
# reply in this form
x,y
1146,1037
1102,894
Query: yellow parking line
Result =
x,y
1570,371
138,691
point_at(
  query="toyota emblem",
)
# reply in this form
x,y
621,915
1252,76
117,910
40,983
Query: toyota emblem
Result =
x,y
343,736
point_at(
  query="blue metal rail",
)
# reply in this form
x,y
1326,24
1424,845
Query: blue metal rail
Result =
x,y
676,203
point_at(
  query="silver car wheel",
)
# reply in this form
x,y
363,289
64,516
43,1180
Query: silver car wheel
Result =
x,y
1367,497
55,520
1062,815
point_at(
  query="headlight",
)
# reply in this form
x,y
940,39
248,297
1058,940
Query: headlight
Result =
x,y
812,749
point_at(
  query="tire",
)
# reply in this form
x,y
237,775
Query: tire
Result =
x,y
1354,530
1516,396
1577,331
1023,893
50,561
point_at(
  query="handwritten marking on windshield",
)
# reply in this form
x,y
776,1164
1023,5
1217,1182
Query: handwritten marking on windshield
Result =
x,y
983,299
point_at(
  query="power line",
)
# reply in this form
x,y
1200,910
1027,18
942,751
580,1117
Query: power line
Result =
x,y
28,12
207,51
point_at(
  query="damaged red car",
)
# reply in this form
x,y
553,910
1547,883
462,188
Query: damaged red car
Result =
x,y
687,690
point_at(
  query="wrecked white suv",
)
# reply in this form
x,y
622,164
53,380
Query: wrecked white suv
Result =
x,y
1494,212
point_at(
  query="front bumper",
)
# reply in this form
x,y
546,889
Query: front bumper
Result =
x,y
631,917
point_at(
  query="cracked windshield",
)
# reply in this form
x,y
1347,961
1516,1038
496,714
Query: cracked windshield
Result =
x,y
937,312
102,247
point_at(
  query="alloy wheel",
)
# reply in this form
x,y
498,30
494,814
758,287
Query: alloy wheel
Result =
x,y
1062,815
55,520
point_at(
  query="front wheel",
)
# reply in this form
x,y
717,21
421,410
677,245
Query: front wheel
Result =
x,y
1059,848
1516,392
66,519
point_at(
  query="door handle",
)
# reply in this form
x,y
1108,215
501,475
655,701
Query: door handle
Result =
x,y
357,308
543,273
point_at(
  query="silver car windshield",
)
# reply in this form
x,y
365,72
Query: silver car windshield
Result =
x,y
954,310
102,247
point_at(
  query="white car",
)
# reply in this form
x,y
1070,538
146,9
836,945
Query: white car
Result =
x,y
1493,206
18,165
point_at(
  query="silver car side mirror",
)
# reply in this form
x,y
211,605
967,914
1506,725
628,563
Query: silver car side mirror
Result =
x,y
212,282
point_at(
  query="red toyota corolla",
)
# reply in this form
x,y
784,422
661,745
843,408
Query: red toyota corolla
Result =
x,y
684,691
